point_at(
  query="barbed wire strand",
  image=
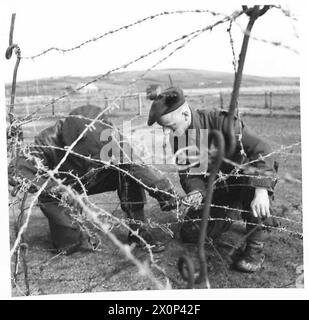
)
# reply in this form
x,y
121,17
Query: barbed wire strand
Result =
x,y
52,173
124,66
125,249
273,43
144,270
125,27
124,171
86,129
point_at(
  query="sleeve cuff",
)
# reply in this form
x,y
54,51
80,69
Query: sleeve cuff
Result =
x,y
262,182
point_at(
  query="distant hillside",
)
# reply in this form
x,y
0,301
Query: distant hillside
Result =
x,y
116,82
191,78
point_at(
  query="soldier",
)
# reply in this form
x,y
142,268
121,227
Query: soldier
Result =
x,y
49,145
250,192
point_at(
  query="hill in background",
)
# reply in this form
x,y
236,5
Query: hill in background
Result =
x,y
119,81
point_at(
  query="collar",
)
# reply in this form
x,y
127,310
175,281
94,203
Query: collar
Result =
x,y
194,119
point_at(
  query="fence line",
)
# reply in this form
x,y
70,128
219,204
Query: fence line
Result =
x,y
92,211
266,103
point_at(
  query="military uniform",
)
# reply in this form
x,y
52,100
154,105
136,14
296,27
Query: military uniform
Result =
x,y
237,190
96,177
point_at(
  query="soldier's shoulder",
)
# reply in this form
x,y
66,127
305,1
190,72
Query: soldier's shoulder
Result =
x,y
225,113
83,115
50,133
88,112
212,112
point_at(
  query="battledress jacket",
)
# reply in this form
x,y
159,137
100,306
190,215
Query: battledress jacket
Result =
x,y
253,146
50,147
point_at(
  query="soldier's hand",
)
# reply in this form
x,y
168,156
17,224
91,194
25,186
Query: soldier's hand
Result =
x,y
168,205
194,199
65,197
260,203
19,184
169,201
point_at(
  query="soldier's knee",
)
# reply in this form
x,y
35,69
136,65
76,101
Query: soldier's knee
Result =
x,y
67,239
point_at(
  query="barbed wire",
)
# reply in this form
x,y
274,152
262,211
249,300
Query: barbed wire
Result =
x,y
69,151
271,42
234,60
87,129
228,208
276,44
286,12
101,226
192,34
125,249
292,18
221,176
231,18
253,170
92,212
165,227
125,27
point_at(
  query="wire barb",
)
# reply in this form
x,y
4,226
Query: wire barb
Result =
x,y
105,221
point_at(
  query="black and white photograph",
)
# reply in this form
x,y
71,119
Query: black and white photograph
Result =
x,y
151,146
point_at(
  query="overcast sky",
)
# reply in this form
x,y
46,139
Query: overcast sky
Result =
x,y
43,24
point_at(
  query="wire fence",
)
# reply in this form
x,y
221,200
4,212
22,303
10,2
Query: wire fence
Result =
x,y
101,220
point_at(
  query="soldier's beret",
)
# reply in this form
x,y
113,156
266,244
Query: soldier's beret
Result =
x,y
166,102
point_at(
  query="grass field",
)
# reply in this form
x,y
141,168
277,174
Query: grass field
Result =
x,y
108,270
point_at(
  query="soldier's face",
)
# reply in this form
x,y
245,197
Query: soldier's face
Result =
x,y
177,121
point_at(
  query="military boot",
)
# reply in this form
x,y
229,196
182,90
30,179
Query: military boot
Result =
x,y
252,258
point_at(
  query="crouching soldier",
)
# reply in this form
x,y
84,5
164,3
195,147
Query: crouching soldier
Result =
x,y
96,177
250,192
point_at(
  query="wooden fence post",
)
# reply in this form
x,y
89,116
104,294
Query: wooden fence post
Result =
x,y
53,107
69,102
105,102
37,86
271,103
204,101
27,88
139,104
221,100
266,101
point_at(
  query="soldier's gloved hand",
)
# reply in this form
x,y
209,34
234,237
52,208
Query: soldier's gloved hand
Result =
x,y
194,199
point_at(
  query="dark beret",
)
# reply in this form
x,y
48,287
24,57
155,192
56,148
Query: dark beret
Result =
x,y
167,101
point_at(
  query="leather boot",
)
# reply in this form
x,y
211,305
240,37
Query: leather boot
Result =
x,y
252,258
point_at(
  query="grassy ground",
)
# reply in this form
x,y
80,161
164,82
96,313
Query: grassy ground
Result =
x,y
108,270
